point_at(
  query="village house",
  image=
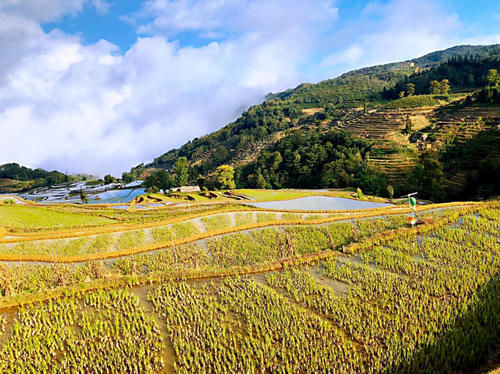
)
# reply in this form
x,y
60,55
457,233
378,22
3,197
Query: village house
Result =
x,y
186,189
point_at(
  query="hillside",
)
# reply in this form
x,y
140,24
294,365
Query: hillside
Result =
x,y
366,83
16,178
454,128
365,103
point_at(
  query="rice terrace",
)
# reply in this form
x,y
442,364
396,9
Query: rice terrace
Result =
x,y
249,187
229,287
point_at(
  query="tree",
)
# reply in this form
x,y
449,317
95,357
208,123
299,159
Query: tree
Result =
x,y
410,89
224,176
127,177
150,183
163,180
181,171
108,179
429,176
493,77
401,94
408,125
159,180
390,191
435,87
444,87
359,193
370,180
260,181
220,155
83,196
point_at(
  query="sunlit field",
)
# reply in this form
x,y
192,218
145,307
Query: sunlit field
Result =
x,y
229,287
222,187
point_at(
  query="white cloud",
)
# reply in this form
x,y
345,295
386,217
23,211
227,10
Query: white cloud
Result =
x,y
87,108
351,55
78,107
263,16
182,15
102,6
394,31
20,26
411,28
48,10
40,10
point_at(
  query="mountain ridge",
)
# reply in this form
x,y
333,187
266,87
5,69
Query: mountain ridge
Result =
x,y
329,104
426,61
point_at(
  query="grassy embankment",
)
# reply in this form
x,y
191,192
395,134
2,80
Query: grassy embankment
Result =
x,y
412,299
18,216
276,195
78,251
418,101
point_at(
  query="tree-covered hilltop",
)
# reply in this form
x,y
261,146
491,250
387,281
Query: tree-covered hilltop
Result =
x,y
464,73
284,110
15,178
367,83
294,138
455,151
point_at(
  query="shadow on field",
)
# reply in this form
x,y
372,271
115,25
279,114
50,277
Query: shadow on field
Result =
x,y
465,345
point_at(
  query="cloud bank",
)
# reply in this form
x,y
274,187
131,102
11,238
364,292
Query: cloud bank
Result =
x,y
78,107
82,107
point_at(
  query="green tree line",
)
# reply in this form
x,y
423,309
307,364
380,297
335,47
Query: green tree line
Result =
x,y
312,159
40,177
461,72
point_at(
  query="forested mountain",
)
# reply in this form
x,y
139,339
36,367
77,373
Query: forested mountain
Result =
x,y
349,130
464,73
14,178
368,82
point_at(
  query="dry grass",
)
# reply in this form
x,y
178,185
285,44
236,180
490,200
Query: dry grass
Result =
x,y
6,303
312,111
206,235
419,122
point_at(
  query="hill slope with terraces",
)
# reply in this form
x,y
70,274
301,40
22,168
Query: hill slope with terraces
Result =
x,y
389,133
395,152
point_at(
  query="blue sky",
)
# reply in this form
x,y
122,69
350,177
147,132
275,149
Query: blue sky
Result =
x,y
101,85
94,24
118,22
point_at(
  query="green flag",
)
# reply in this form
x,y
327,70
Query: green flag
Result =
x,y
412,202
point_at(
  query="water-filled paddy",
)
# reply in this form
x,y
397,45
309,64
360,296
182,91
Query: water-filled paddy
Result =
x,y
149,206
70,193
121,207
319,203
116,196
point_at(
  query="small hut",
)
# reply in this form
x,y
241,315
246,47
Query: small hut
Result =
x,y
187,189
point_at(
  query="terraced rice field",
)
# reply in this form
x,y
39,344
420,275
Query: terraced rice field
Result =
x,y
441,124
234,289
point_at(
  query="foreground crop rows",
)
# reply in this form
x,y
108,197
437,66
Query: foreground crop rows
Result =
x,y
423,301
96,333
240,249
130,242
387,322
